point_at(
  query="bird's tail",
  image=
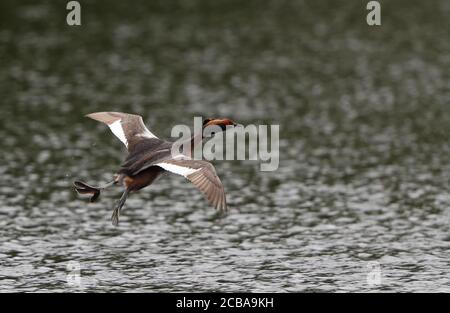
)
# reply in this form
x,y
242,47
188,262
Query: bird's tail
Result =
x,y
85,189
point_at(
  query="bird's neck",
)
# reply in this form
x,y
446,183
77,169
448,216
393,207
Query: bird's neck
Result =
x,y
190,144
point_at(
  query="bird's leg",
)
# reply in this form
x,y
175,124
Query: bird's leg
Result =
x,y
116,213
83,188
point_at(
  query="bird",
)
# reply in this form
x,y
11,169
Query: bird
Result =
x,y
149,157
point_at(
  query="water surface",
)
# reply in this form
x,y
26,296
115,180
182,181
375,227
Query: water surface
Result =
x,y
364,147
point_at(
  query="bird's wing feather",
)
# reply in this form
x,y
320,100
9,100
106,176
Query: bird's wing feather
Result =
x,y
203,175
148,157
129,128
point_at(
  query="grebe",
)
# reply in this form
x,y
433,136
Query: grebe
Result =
x,y
149,157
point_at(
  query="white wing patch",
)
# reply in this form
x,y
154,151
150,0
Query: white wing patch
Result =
x,y
147,134
180,170
117,130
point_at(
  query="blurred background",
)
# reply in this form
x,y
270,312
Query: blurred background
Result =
x,y
364,148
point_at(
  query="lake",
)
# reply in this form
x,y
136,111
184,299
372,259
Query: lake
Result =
x,y
360,201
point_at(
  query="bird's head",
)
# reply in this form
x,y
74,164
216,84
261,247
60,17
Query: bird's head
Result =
x,y
215,125
221,122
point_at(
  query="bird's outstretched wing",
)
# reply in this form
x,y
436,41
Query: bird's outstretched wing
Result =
x,y
203,175
129,128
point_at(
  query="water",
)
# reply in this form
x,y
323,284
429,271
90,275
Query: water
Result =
x,y
364,147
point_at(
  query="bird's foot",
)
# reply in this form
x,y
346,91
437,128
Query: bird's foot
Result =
x,y
115,217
